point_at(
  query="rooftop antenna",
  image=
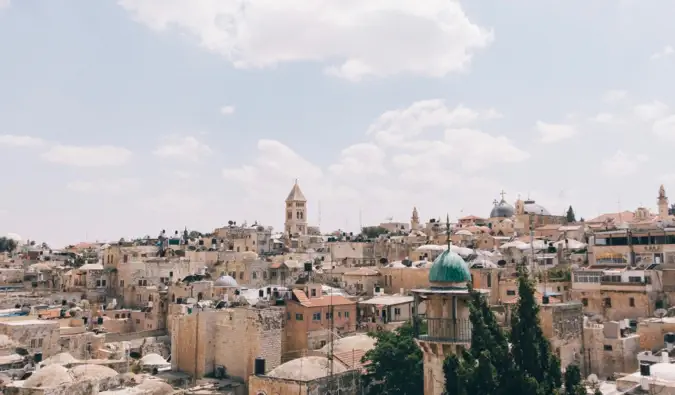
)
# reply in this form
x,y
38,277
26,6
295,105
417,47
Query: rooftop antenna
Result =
x,y
319,214
360,220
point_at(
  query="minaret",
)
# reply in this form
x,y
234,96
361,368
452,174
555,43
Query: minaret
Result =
x,y
663,203
415,220
296,212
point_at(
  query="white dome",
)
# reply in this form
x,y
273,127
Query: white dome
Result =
x,y
305,369
48,377
226,281
15,237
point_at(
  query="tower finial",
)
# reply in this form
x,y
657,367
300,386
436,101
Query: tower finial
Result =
x,y
296,181
447,230
502,193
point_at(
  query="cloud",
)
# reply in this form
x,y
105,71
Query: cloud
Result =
x,y
650,111
227,110
621,164
182,147
606,118
663,53
355,39
614,96
110,186
425,148
11,140
665,128
88,156
553,133
5,4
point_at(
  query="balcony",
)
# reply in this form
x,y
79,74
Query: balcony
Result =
x,y
445,330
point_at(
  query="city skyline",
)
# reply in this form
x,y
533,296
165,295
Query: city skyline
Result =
x,y
120,119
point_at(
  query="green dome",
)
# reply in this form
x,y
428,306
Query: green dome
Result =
x,y
449,267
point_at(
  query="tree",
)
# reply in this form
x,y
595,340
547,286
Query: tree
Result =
x,y
573,383
7,244
570,215
373,232
394,365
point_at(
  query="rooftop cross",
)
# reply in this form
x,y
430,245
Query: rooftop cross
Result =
x,y
502,193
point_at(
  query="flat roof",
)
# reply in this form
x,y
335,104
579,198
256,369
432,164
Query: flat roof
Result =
x,y
388,300
28,322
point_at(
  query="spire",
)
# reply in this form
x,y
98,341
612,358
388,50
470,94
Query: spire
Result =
x,y
662,193
296,194
447,230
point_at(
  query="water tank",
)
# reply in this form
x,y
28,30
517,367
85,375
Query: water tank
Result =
x,y
669,338
645,369
259,369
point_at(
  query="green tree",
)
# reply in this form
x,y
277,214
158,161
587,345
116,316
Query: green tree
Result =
x,y
573,383
7,244
570,215
372,232
394,365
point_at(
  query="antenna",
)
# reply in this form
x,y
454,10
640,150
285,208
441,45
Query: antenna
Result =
x,y
319,222
360,220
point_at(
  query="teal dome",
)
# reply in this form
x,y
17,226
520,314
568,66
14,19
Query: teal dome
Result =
x,y
449,267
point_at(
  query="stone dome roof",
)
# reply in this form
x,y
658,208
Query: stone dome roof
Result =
x,y
226,281
306,369
48,377
449,267
530,207
91,372
502,210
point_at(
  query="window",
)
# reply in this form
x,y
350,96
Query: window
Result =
x,y
316,317
241,275
510,292
170,274
608,302
584,301
339,314
117,316
489,280
121,283
607,347
265,275
140,283
150,298
138,321
288,316
346,314
98,283
313,292
329,316
298,317
103,282
631,302
254,275
397,311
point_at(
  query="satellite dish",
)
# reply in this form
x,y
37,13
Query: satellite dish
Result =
x,y
592,378
660,313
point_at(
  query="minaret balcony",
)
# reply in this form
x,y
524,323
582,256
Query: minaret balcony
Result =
x,y
443,330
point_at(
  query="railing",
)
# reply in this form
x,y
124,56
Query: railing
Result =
x,y
446,330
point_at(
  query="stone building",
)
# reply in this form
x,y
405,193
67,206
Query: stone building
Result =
x,y
562,324
609,349
307,376
227,340
37,336
308,319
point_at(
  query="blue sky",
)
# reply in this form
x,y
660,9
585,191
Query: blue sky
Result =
x,y
122,118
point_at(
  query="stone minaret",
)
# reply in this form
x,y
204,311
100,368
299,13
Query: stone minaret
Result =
x,y
296,212
663,203
415,220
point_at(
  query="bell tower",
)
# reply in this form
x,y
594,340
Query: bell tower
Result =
x,y
296,212
663,203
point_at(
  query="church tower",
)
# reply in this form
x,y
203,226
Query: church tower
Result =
x,y
663,203
296,212
415,220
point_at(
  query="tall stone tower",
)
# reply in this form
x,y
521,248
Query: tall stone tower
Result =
x,y
296,212
448,329
663,203
415,220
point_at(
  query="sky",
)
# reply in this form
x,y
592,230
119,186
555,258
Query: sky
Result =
x,y
123,118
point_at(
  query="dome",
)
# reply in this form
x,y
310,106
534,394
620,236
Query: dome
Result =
x,y
449,267
502,210
91,372
48,377
305,369
226,281
530,207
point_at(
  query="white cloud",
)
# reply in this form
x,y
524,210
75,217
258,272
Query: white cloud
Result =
x,y
356,38
88,156
11,140
182,147
410,152
621,164
5,4
607,118
650,111
227,110
663,53
614,96
665,128
553,133
109,186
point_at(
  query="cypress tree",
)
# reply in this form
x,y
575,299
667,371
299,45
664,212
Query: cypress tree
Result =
x,y
570,215
573,384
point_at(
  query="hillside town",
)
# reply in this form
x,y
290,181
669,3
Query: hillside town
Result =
x,y
243,309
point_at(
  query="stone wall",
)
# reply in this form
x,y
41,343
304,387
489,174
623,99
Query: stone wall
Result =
x,y
348,383
624,304
245,334
29,332
562,324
